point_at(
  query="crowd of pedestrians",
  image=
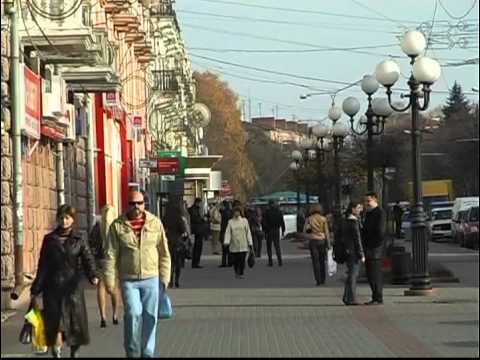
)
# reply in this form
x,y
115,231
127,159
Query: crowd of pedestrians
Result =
x,y
136,257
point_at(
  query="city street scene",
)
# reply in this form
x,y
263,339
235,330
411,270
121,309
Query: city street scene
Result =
x,y
233,178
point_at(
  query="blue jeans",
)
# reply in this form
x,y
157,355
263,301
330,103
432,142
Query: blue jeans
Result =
x,y
140,301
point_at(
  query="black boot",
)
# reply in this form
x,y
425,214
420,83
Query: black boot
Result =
x,y
74,351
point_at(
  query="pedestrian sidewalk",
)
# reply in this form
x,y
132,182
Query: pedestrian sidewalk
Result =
x,y
277,312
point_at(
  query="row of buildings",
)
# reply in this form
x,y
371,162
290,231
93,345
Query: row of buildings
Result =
x,y
97,98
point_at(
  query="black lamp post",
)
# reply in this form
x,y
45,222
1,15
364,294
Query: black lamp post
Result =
x,y
372,123
425,72
321,133
295,167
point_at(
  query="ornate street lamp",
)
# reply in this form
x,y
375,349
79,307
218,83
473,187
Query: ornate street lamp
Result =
x,y
425,72
295,167
322,134
372,123
339,132
307,144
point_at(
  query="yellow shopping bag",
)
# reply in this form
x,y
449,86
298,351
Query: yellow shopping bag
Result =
x,y
39,341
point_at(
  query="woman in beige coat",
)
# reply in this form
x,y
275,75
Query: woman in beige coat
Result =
x,y
239,240
316,226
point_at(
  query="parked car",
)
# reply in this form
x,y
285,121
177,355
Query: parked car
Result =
x,y
462,204
458,227
470,228
440,222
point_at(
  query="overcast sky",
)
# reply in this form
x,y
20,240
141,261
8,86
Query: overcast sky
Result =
x,y
316,45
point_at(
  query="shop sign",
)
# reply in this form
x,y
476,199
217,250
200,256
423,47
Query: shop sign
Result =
x,y
32,104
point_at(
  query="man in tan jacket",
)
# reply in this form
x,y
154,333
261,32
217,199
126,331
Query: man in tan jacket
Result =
x,y
137,253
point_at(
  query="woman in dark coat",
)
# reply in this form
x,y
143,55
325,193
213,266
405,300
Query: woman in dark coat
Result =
x,y
64,258
354,251
177,235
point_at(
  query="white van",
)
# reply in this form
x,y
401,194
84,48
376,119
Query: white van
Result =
x,y
460,206
440,223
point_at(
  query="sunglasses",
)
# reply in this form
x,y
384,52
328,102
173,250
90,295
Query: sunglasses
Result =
x,y
136,202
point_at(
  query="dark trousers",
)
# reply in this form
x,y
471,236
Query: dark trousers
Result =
x,y
238,259
374,272
257,243
318,254
177,264
398,227
274,236
350,292
197,249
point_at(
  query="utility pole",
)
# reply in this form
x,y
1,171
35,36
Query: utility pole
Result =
x,y
260,109
250,108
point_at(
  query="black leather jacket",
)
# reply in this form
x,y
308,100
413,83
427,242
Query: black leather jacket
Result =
x,y
352,238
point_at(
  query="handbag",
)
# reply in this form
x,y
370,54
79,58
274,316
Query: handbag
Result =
x,y
165,310
26,333
251,259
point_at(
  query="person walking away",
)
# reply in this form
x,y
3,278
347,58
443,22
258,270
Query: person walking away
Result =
x,y
373,236
239,239
316,226
226,214
177,235
272,223
255,221
199,231
397,216
97,242
353,247
59,282
215,227
137,250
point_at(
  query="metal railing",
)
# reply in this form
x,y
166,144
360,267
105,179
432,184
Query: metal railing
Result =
x,y
165,80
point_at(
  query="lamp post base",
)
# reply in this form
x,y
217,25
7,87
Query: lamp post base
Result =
x,y
419,292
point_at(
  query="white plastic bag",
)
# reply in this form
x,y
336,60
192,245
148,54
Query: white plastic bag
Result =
x,y
332,265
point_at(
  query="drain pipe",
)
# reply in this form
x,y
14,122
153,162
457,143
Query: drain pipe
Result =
x,y
17,153
60,175
89,165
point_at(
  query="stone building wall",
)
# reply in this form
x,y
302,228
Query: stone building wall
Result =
x,y
75,160
7,246
39,200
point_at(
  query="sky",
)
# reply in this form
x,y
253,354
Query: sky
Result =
x,y
322,46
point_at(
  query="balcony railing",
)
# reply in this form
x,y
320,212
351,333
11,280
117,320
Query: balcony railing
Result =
x,y
162,8
165,80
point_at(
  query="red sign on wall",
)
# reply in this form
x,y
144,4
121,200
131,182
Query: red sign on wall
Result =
x,y
168,166
32,86
137,120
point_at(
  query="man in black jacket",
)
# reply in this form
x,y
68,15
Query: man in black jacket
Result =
x,y
226,212
199,230
272,222
374,244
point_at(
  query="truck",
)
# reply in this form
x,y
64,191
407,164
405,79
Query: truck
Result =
x,y
433,191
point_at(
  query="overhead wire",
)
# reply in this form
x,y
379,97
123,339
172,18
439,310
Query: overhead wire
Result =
x,y
223,31
301,11
284,22
429,38
458,17
379,13
286,51
270,71
261,80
